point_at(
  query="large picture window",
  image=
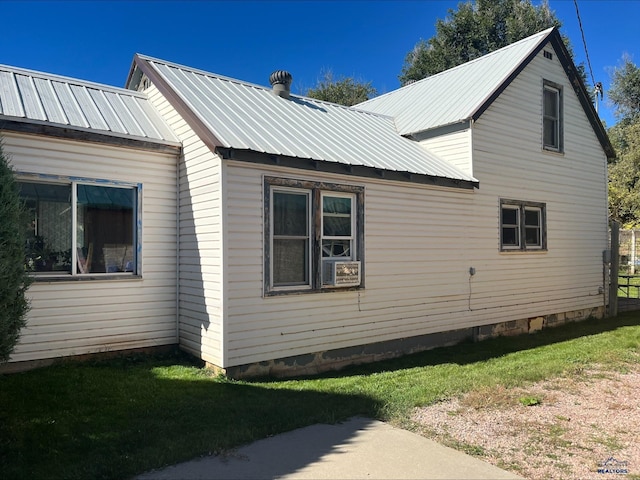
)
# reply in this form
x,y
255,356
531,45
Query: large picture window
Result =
x,y
310,229
78,228
522,226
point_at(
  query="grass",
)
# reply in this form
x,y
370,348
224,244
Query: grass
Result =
x,y
117,418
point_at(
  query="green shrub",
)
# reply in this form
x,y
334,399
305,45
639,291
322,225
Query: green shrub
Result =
x,y
14,279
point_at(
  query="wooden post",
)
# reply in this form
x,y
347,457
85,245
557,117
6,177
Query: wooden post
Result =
x,y
632,267
614,267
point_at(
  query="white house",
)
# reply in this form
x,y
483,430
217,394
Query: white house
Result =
x,y
297,235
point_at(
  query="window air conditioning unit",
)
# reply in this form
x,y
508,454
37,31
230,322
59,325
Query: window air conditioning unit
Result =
x,y
341,274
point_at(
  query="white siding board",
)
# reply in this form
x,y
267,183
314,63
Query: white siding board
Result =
x,y
200,240
455,148
77,317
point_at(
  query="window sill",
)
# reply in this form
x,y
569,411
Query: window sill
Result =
x,y
524,252
280,293
551,151
83,278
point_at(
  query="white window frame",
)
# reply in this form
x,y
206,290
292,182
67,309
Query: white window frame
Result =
x,y
521,207
325,260
272,237
555,117
73,183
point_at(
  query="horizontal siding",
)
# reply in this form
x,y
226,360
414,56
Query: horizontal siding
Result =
x,y
510,163
411,288
421,241
200,240
455,148
79,317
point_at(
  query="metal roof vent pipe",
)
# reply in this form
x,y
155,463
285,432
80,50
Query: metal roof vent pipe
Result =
x,y
281,82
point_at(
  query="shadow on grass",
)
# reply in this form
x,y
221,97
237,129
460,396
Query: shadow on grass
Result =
x,y
114,420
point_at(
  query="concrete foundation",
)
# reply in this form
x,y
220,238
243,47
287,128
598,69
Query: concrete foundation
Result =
x,y
330,360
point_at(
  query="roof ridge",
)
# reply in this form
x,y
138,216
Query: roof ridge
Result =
x,y
541,34
254,85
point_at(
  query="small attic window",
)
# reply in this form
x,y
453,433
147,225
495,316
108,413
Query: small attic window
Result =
x,y
548,55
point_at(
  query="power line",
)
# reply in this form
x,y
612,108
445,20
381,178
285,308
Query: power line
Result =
x,y
584,42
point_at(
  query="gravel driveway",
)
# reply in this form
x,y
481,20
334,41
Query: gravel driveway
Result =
x,y
586,426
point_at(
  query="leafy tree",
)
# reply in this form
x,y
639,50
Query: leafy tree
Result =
x,y
625,90
14,279
474,30
624,175
343,91
624,170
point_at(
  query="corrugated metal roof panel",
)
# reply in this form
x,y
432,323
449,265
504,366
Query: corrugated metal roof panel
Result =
x,y
250,117
456,94
29,96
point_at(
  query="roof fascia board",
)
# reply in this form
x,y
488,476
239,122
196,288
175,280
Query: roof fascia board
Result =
x,y
251,156
439,131
34,127
176,101
583,96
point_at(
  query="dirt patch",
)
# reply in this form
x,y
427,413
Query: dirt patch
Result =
x,y
579,427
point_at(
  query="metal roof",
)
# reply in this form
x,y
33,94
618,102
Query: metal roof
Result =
x,y
457,94
250,117
28,96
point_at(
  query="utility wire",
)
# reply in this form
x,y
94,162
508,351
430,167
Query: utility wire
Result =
x,y
584,42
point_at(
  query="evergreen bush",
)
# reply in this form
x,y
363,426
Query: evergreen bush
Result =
x,y
14,279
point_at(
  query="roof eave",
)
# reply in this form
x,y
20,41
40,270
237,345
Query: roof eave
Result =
x,y
70,132
299,163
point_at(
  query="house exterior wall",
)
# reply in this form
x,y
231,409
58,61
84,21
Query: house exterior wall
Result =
x,y
454,147
413,287
74,317
421,242
200,322
510,163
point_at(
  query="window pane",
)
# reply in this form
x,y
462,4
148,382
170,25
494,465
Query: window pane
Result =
x,y
532,221
336,227
510,237
550,132
336,248
105,229
532,238
550,103
336,220
336,205
509,216
532,217
290,266
290,212
48,246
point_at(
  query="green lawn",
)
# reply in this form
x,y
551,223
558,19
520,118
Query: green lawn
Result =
x,y
117,418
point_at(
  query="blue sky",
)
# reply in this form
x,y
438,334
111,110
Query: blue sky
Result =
x,y
247,40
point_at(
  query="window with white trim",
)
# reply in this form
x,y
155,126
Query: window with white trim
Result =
x,y
552,125
522,226
311,229
80,228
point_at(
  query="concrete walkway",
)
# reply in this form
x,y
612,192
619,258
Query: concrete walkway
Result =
x,y
357,448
